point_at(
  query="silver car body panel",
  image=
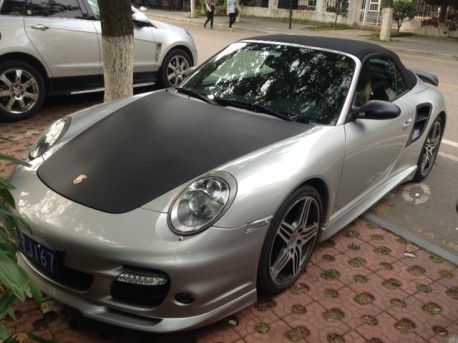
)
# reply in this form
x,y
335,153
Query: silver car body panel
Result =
x,y
50,37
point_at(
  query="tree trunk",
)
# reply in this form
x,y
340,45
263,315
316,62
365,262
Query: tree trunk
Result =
x,y
193,8
387,20
117,48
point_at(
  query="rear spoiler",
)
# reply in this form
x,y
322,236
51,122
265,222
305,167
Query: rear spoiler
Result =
x,y
427,77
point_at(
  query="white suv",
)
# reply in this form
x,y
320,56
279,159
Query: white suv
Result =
x,y
54,47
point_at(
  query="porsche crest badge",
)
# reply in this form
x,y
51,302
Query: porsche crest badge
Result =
x,y
79,179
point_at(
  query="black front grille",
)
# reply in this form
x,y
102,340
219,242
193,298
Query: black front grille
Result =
x,y
65,276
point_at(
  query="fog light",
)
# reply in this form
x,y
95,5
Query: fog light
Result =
x,y
144,279
184,298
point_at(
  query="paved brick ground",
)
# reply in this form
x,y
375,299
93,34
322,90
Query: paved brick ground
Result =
x,y
363,285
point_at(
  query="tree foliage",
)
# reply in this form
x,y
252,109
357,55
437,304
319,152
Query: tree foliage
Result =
x,y
403,10
15,284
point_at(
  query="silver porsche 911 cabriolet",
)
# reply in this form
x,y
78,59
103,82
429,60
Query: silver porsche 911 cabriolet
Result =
x,y
170,210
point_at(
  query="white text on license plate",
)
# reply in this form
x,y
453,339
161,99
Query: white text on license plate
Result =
x,y
38,253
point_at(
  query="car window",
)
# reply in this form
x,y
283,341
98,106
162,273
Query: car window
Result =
x,y
379,79
306,85
94,7
54,8
12,7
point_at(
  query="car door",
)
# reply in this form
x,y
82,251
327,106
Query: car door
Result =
x,y
145,49
63,33
145,46
374,146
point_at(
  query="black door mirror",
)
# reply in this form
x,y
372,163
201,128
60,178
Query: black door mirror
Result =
x,y
376,109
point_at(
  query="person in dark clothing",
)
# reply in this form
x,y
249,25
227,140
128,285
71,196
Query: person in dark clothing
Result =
x,y
210,10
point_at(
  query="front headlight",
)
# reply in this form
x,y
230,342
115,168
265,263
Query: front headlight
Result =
x,y
202,203
49,137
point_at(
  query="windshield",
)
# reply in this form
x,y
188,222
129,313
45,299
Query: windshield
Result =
x,y
95,8
302,84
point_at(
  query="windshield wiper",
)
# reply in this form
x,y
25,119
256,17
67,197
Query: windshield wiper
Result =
x,y
252,107
195,94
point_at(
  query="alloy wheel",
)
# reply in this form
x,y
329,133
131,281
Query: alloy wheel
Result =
x,y
19,91
294,240
430,148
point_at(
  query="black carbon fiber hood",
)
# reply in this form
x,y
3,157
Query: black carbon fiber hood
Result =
x,y
153,145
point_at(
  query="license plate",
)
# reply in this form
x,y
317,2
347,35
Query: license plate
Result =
x,y
39,253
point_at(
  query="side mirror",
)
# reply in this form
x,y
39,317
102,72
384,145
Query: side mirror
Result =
x,y
140,19
376,109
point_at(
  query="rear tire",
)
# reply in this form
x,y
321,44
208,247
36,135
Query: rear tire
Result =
x,y
172,70
22,90
290,241
429,150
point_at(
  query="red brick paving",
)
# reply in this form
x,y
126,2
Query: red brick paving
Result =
x,y
397,281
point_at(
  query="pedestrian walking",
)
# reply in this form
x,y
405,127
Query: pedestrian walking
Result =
x,y
232,12
210,10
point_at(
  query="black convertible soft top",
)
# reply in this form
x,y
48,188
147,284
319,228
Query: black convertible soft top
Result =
x,y
360,49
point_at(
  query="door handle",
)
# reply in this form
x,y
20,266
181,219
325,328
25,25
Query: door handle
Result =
x,y
40,27
406,124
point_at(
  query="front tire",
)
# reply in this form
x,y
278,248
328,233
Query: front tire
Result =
x,y
22,91
173,68
429,150
290,241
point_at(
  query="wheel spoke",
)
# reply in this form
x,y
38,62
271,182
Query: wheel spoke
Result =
x,y
5,93
435,140
297,259
309,233
285,231
305,211
430,148
5,80
426,160
32,96
282,260
29,83
308,230
10,104
22,104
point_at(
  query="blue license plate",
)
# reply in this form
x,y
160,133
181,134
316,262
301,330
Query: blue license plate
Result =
x,y
39,253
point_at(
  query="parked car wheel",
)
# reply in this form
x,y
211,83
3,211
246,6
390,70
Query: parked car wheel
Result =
x,y
290,241
173,68
429,151
22,90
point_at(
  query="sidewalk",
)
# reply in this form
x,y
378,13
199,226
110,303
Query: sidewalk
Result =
x,y
427,45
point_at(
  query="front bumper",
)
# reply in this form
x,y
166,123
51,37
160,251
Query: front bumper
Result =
x,y
131,317
216,268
